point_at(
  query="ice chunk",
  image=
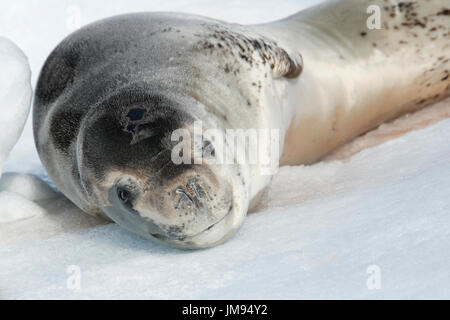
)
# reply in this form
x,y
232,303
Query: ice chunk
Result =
x,y
27,185
46,218
16,207
15,95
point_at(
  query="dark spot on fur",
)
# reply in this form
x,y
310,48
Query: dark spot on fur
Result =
x,y
401,6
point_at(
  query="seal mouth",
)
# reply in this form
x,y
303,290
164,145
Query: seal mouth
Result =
x,y
184,238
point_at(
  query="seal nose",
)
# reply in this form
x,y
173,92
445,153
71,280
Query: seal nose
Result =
x,y
194,203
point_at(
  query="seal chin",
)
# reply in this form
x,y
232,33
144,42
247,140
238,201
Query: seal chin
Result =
x,y
214,234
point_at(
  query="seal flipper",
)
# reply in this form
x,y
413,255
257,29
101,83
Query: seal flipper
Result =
x,y
251,48
287,66
282,63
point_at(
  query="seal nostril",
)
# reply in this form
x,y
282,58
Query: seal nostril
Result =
x,y
184,198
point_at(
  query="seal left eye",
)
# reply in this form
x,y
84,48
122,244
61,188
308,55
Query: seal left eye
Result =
x,y
123,194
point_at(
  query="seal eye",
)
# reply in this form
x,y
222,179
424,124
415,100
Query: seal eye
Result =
x,y
123,194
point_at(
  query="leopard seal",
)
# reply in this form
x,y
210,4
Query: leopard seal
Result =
x,y
110,96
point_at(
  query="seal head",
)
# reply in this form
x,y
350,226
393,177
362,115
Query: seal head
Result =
x,y
126,167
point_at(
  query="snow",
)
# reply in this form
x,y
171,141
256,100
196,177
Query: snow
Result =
x,y
376,208
370,221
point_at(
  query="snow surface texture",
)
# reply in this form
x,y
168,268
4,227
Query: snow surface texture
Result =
x,y
364,223
386,207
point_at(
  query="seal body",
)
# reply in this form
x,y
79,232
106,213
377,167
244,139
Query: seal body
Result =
x,y
355,78
111,96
